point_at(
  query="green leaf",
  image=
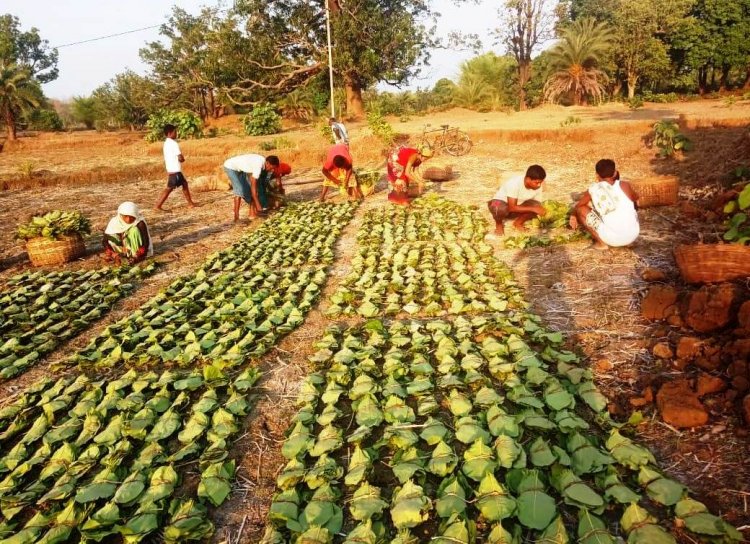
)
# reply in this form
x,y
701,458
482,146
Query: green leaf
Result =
x,y
698,520
536,509
451,498
478,461
297,442
329,439
493,500
540,453
555,533
409,506
641,528
215,484
458,403
443,460
368,413
359,463
366,502
661,489
591,529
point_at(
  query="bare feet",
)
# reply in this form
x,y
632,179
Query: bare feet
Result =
x,y
193,205
599,246
499,230
520,225
159,209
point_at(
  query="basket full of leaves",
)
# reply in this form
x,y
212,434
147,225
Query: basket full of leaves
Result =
x,y
55,237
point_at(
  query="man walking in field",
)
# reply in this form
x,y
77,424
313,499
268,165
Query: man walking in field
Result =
x,y
173,160
340,136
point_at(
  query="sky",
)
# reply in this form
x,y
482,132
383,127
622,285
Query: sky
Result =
x,y
85,66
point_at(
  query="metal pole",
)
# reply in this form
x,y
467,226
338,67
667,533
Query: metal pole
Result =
x,y
330,58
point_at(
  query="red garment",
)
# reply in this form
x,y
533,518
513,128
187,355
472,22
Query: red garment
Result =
x,y
404,154
283,170
396,164
337,150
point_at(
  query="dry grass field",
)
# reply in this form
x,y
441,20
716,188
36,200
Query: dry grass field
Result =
x,y
592,296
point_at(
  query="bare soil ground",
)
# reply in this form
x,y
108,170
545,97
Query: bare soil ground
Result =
x,y
592,296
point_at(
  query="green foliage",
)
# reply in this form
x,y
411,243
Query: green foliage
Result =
x,y
741,173
324,129
262,120
570,120
84,110
669,139
189,125
54,224
659,98
45,120
380,128
276,143
19,94
126,100
635,103
575,59
737,223
487,82
26,169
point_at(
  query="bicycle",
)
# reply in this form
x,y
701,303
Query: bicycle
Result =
x,y
452,140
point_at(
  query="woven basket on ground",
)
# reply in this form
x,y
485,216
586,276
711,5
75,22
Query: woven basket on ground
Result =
x,y
45,251
657,191
710,263
435,173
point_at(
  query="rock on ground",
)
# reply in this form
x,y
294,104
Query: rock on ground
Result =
x,y
710,307
659,303
679,405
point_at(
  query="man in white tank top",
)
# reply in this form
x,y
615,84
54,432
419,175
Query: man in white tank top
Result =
x,y
607,210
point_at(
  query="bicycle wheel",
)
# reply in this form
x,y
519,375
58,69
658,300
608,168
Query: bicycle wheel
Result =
x,y
458,144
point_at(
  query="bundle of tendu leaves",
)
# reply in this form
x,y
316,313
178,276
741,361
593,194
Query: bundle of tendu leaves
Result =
x,y
54,224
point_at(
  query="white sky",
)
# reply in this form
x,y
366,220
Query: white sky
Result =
x,y
86,66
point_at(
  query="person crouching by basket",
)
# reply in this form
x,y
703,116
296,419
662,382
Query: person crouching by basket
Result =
x,y
519,198
245,173
273,186
338,172
608,209
127,236
402,165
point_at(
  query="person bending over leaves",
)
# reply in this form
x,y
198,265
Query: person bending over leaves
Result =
x,y
127,236
518,198
608,209
338,171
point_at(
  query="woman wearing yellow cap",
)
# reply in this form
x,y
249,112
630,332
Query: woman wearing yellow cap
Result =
x,y
402,169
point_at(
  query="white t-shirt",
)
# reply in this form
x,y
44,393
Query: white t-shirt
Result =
x,y
340,135
250,164
515,188
171,156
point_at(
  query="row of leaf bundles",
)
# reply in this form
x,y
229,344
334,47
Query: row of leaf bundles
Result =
x,y
224,317
450,417
427,279
301,234
429,218
40,310
85,459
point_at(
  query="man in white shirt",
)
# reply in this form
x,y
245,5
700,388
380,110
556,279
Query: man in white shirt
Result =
x,y
245,171
173,160
340,136
519,197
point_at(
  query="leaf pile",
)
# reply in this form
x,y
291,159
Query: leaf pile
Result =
x,y
425,279
479,429
81,460
523,241
54,224
40,310
556,217
237,305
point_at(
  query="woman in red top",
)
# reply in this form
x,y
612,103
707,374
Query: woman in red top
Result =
x,y
402,165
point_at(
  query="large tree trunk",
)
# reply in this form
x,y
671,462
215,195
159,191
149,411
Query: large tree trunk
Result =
x,y
702,80
632,83
355,106
10,122
524,75
724,79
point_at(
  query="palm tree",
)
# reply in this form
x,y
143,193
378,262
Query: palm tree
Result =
x,y
17,94
574,60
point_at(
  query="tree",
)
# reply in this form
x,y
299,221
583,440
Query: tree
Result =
x,y
84,110
487,81
574,61
127,100
18,94
525,24
25,61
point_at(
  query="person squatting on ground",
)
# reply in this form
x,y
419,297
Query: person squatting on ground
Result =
x,y
402,166
338,171
127,236
274,188
173,160
519,198
340,135
244,172
608,209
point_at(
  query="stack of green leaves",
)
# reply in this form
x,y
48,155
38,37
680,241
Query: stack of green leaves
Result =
x,y
237,305
81,460
421,278
40,310
554,224
485,427
54,224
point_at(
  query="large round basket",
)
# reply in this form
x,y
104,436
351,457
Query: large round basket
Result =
x,y
657,191
436,173
711,263
45,251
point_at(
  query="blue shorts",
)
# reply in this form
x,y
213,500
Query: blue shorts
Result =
x,y
176,180
240,184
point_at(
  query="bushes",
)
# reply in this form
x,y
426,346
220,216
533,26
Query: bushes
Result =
x,y
669,139
380,128
45,121
263,120
189,125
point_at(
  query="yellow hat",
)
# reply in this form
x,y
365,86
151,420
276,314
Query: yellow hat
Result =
x,y
425,151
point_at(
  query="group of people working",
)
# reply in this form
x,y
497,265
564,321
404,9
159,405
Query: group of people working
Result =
x,y
607,209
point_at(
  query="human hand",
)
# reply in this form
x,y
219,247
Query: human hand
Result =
x,y
573,221
539,210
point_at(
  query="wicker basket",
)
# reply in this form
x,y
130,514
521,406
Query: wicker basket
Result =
x,y
658,191
204,184
435,173
44,251
710,263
